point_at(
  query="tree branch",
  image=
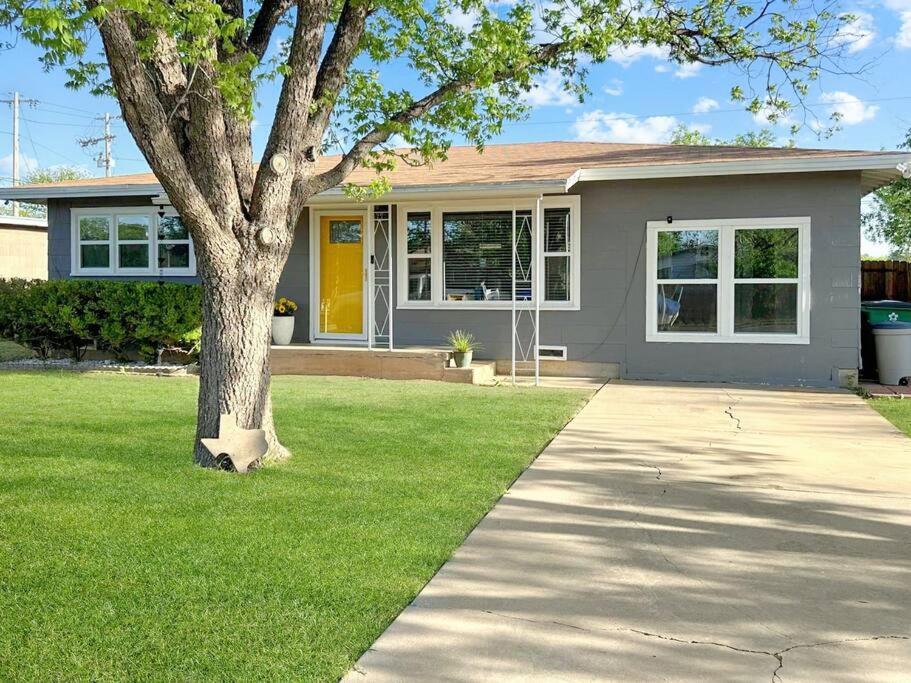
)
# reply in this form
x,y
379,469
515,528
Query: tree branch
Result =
x,y
270,13
350,161
340,54
148,123
289,134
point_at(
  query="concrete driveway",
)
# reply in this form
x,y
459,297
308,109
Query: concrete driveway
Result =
x,y
682,532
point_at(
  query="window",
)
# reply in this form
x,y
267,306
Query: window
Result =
x,y
94,241
417,226
477,256
133,238
344,232
175,250
130,241
729,281
460,254
557,254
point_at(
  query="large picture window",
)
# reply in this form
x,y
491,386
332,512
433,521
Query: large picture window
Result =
x,y
130,241
461,254
729,281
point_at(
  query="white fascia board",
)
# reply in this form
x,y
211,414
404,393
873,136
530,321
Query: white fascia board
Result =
x,y
333,196
41,195
881,162
450,191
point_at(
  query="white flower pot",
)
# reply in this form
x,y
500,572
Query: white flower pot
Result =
x,y
282,329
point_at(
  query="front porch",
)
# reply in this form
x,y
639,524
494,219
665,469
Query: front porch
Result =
x,y
359,361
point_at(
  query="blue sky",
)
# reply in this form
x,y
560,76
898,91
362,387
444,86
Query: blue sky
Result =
x,y
638,96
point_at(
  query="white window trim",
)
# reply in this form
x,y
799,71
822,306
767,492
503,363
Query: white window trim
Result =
x,y
111,213
437,209
726,281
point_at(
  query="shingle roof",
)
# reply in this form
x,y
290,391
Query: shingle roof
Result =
x,y
534,161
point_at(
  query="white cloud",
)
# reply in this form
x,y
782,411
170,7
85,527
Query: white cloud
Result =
x,y
851,109
600,126
903,37
662,68
462,20
624,56
764,117
705,104
615,88
548,90
688,69
857,34
27,164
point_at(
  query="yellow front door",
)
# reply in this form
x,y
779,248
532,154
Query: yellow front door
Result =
x,y
341,275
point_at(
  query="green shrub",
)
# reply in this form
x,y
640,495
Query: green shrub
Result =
x,y
123,317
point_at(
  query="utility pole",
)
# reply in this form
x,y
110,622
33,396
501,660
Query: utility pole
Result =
x,y
14,103
104,160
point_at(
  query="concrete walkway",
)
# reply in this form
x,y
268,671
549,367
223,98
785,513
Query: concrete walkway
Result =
x,y
681,533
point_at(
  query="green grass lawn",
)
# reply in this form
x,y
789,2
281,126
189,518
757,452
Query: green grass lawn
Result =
x,y
897,411
12,351
120,560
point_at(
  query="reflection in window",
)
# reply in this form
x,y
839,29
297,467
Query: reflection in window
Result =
x,y
557,243
344,232
418,228
688,254
687,308
766,253
173,243
765,308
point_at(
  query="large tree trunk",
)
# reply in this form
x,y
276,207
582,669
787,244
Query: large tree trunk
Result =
x,y
235,377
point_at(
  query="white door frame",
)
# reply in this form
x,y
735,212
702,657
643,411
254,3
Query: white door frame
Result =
x,y
315,228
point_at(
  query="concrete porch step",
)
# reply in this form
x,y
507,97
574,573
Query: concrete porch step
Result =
x,y
409,363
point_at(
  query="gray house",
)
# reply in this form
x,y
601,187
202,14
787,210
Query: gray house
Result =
x,y
639,261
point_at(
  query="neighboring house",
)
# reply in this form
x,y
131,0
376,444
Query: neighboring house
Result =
x,y
23,247
654,261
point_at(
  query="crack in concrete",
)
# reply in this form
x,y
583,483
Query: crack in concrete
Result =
x,y
777,655
729,411
654,467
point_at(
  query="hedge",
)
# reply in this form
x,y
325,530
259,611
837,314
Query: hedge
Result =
x,y
68,316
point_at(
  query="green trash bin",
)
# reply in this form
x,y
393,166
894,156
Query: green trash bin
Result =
x,y
871,313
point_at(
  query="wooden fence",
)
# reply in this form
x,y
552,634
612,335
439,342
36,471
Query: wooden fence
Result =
x,y
885,280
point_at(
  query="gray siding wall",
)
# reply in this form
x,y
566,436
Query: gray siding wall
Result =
x,y
59,242
610,327
295,280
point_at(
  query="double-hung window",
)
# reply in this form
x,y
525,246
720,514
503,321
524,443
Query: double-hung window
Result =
x,y
743,280
130,241
418,254
479,255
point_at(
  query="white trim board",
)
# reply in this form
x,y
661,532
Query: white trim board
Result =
x,y
725,281
313,228
879,162
111,213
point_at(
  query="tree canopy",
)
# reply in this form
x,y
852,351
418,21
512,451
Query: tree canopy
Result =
x,y
888,218
51,174
466,82
682,135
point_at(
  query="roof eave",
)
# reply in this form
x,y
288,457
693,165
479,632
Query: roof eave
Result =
x,y
335,195
881,163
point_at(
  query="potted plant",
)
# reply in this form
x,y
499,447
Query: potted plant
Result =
x,y
283,321
463,345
